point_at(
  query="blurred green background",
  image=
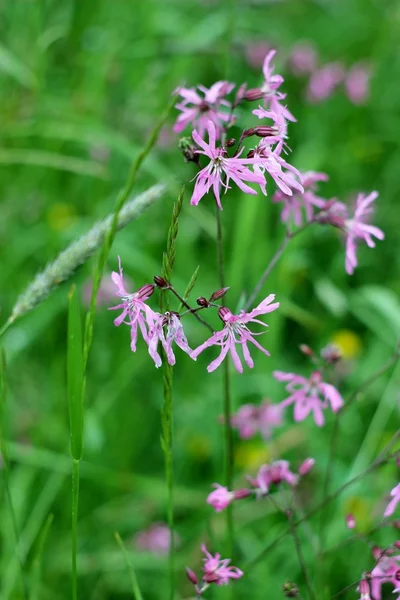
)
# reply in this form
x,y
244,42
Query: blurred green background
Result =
x,y
81,85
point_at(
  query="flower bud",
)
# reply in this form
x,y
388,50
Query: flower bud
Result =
x,y
397,544
224,312
254,94
290,590
350,521
306,466
331,354
145,291
240,95
160,282
242,493
188,150
218,294
203,302
265,131
364,590
397,575
191,575
231,142
306,350
250,154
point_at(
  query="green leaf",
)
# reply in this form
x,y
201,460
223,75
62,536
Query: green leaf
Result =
x,y
75,374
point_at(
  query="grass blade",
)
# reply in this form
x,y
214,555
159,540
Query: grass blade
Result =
x,y
132,575
75,375
37,560
190,286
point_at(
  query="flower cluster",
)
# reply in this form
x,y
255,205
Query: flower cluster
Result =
x,y
215,570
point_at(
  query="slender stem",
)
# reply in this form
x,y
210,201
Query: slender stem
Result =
x,y
229,459
74,514
272,263
300,555
132,575
336,428
190,309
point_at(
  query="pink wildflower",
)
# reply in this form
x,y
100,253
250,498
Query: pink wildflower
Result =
x,y
303,58
357,228
386,571
155,539
271,161
251,419
221,497
357,83
273,474
218,571
391,507
255,53
364,590
221,165
197,110
133,307
237,332
350,521
306,394
324,81
172,323
307,200
306,466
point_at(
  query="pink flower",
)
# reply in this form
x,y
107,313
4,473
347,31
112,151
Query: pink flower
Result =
x,y
155,539
271,161
391,507
357,83
172,323
198,110
220,166
364,590
255,53
306,466
307,200
218,571
350,521
133,307
386,571
273,474
303,58
306,394
251,419
221,497
237,332
357,228
324,81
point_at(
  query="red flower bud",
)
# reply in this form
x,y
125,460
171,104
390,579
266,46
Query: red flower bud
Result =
x,y
218,294
203,302
254,94
192,576
145,291
160,282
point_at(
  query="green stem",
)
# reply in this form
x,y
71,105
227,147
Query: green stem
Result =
x,y
74,514
229,459
134,582
169,467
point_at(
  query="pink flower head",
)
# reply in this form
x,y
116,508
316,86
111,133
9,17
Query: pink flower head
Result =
x,y
279,124
357,83
221,166
357,228
271,161
155,539
306,200
391,507
218,571
324,81
198,110
135,311
236,332
306,466
167,328
221,497
303,58
273,474
255,53
306,395
385,571
350,521
251,419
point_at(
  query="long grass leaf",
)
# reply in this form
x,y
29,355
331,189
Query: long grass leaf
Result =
x,y
132,575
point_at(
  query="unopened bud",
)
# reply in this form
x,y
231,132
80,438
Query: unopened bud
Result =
x,y
160,282
306,350
265,131
396,524
145,291
191,575
218,294
223,313
240,494
290,590
350,521
188,150
203,302
397,575
331,354
231,142
364,590
306,466
397,544
251,154
249,132
377,552
240,94
254,94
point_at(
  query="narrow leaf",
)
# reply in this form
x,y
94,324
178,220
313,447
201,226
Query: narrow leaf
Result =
x,y
190,286
75,374
134,582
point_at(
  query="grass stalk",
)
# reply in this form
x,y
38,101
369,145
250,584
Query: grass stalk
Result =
x,y
137,595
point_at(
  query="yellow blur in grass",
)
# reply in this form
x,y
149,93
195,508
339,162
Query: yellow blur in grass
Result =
x,y
361,510
348,342
60,216
199,447
251,455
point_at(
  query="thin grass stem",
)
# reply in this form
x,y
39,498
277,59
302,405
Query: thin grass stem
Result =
x,y
137,595
74,515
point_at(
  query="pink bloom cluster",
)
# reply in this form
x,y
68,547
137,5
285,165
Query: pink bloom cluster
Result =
x,y
215,570
309,395
386,570
269,475
251,419
308,200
